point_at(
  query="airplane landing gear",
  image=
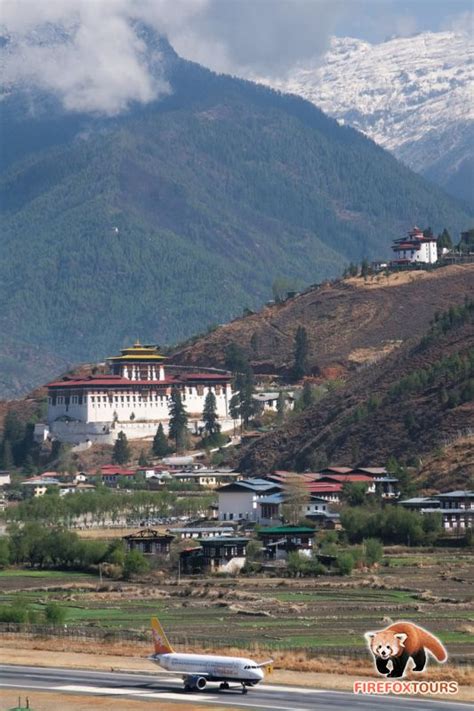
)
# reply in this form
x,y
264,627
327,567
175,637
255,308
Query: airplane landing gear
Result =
x,y
224,686
244,688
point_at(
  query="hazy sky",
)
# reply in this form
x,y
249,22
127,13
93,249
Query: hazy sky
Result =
x,y
99,63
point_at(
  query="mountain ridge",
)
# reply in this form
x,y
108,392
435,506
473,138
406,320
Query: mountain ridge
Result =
x,y
181,213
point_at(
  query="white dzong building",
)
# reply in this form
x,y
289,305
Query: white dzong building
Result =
x,y
415,248
133,398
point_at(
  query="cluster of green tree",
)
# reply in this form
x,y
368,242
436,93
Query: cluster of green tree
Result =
x,y
391,525
37,546
17,446
447,320
191,217
444,240
453,370
20,611
242,405
106,504
367,554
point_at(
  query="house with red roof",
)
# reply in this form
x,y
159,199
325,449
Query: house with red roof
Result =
x,y
415,248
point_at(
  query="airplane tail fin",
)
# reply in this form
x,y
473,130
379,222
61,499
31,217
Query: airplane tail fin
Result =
x,y
160,640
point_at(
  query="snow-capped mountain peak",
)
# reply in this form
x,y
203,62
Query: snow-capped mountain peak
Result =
x,y
412,95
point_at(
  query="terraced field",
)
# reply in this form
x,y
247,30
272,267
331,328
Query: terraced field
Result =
x,y
324,615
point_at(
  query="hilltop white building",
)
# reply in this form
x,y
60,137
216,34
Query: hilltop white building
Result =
x,y
133,398
415,249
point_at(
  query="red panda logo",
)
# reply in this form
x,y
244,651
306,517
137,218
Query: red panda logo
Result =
x,y
399,642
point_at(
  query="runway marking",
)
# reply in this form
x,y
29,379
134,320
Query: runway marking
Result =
x,y
171,696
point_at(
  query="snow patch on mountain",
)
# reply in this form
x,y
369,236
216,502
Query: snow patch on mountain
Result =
x,y
412,95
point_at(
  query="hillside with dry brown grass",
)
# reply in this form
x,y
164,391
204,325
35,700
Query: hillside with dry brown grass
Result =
x,y
416,405
349,322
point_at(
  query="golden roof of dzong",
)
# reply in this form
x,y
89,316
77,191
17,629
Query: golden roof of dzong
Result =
x,y
138,352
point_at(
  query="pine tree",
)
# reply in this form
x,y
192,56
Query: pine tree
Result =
x,y
178,420
142,459
121,453
7,455
444,240
281,406
160,446
210,416
300,363
307,396
364,269
244,383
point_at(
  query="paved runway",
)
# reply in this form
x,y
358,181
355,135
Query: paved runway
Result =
x,y
153,687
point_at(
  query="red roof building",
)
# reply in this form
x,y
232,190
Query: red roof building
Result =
x,y
415,248
134,398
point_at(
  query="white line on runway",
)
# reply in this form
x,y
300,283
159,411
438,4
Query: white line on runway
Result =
x,y
170,696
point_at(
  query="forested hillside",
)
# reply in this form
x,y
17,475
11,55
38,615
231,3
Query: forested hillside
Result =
x,y
178,215
409,406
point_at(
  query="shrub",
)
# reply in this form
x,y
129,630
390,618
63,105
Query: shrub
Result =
x,y
4,552
345,563
135,564
54,613
373,550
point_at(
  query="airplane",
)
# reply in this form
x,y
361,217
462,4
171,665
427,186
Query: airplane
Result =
x,y
198,669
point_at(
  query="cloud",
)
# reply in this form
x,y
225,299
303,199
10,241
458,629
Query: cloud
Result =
x,y
90,53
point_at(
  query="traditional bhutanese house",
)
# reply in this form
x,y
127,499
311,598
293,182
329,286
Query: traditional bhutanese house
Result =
x,y
278,541
238,501
111,474
207,478
415,249
377,479
223,554
132,398
330,491
456,508
38,485
197,532
149,542
270,511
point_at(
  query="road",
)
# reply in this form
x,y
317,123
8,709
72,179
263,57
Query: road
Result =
x,y
146,687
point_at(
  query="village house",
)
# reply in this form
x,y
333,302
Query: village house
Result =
x,y
38,485
270,508
196,532
133,398
217,554
149,542
238,501
207,478
112,474
268,401
415,249
278,541
456,508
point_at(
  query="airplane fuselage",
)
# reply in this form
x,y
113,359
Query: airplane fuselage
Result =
x,y
211,667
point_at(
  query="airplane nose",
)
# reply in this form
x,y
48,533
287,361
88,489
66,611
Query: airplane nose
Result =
x,y
260,674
